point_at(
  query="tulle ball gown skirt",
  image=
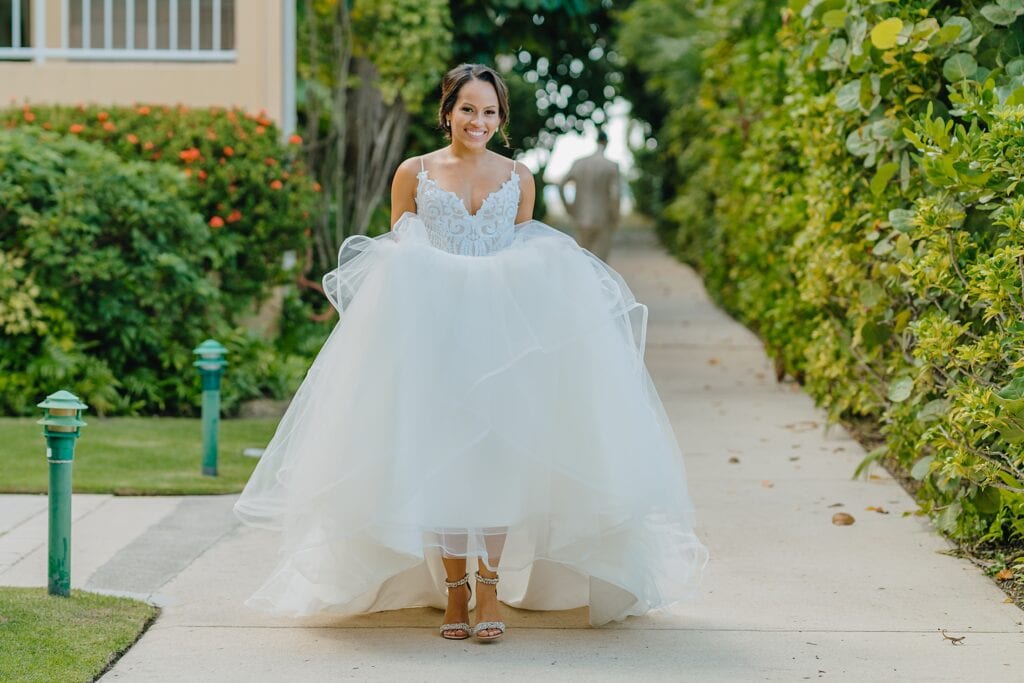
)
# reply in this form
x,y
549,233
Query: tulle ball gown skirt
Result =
x,y
480,406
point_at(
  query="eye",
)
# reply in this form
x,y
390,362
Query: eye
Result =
x,y
467,109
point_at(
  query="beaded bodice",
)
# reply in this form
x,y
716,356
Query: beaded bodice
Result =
x,y
452,228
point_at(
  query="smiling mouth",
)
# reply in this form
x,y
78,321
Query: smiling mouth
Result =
x,y
476,133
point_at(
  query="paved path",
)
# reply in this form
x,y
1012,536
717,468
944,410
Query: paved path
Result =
x,y
788,596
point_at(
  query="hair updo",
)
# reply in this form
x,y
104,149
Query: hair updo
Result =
x,y
452,83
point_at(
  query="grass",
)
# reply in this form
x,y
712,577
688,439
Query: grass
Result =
x,y
133,456
46,638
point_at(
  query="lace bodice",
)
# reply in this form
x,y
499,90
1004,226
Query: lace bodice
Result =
x,y
452,228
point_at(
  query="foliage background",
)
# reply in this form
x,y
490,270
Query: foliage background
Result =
x,y
844,173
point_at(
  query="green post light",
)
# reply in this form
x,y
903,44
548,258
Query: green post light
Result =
x,y
62,423
211,365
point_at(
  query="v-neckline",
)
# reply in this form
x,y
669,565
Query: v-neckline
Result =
x,y
426,176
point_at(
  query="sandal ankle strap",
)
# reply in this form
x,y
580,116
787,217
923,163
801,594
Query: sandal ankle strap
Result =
x,y
484,579
455,584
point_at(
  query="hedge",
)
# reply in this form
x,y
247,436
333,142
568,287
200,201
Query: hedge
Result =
x,y
845,175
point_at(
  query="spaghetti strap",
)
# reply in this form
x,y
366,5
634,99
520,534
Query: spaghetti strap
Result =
x,y
513,169
422,167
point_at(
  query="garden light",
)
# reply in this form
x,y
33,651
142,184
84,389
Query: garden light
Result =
x,y
62,423
211,365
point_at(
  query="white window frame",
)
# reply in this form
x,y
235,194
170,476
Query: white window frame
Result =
x,y
39,52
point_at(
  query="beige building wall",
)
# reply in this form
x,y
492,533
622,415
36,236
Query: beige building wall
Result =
x,y
253,81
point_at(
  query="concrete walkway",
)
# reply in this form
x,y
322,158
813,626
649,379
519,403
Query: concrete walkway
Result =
x,y
787,595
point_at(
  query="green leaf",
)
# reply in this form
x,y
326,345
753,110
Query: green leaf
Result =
x,y
987,500
885,33
998,15
834,18
946,34
848,96
933,410
920,469
900,388
948,517
870,292
874,334
902,219
966,29
959,67
882,177
1015,98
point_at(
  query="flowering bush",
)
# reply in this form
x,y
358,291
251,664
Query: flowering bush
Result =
x,y
250,188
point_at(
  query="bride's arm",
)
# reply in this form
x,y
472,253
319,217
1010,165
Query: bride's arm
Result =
x,y
527,195
403,189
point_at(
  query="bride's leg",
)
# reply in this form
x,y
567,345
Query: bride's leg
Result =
x,y
455,568
487,594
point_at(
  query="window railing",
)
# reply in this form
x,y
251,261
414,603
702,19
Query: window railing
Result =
x,y
125,30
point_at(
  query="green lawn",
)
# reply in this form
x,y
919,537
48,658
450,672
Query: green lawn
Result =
x,y
45,638
133,455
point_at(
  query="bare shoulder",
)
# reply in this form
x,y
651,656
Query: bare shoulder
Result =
x,y
408,169
526,182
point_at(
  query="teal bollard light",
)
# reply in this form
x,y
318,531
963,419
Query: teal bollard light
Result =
x,y
211,366
62,422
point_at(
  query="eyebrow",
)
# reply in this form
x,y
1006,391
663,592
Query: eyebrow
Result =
x,y
486,106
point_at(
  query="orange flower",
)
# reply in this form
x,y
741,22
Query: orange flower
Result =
x,y
229,151
103,116
202,174
216,222
234,216
188,172
48,126
232,116
270,161
276,185
109,126
189,155
260,130
28,116
142,111
132,138
147,145
76,128
232,188
316,187
211,134
295,139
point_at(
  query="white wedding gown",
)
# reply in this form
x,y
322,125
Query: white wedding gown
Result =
x,y
484,389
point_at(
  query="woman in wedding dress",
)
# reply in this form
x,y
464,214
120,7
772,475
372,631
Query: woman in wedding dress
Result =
x,y
482,399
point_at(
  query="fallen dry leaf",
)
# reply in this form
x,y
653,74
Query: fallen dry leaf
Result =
x,y
1004,575
767,484
713,361
842,519
1010,600
836,505
802,426
793,458
733,460
877,508
875,476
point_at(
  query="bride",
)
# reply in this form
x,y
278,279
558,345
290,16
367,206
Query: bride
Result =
x,y
483,397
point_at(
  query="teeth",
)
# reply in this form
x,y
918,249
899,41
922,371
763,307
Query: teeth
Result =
x,y
476,133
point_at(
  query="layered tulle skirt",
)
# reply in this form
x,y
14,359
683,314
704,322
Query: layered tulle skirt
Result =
x,y
479,406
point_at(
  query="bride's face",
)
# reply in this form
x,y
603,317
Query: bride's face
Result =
x,y
474,119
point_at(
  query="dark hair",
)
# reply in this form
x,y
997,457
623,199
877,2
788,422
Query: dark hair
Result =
x,y
602,137
452,83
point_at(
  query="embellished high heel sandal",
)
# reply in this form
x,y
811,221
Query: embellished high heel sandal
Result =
x,y
488,625
461,626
